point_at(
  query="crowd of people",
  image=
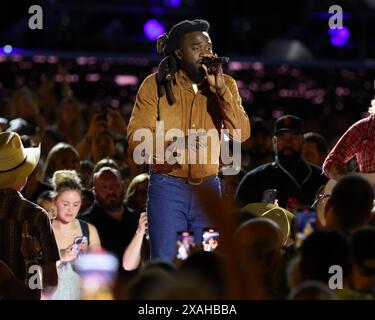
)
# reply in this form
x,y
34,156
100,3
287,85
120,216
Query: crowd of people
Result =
x,y
71,187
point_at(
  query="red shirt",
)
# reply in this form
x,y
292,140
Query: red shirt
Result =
x,y
358,141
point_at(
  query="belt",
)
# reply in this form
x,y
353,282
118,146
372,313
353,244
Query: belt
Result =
x,y
189,180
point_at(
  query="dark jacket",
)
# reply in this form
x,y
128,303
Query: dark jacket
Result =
x,y
114,235
271,176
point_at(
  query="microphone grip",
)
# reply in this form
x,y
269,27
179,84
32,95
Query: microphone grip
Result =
x,y
209,61
212,62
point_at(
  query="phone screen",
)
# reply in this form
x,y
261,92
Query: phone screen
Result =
x,y
210,239
306,224
269,196
185,242
77,241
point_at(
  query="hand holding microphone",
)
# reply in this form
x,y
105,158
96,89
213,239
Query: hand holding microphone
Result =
x,y
212,65
213,62
208,61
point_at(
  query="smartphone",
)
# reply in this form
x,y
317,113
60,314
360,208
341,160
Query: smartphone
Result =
x,y
184,242
210,239
305,224
77,241
269,196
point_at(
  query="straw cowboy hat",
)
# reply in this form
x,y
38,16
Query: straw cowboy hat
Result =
x,y
281,216
16,162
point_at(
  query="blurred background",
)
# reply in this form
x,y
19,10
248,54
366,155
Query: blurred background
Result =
x,y
239,28
282,53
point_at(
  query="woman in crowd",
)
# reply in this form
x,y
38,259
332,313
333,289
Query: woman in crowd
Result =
x,y
136,197
72,235
70,122
62,156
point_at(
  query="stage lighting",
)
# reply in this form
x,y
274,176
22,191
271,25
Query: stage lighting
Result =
x,y
339,37
172,3
8,49
153,29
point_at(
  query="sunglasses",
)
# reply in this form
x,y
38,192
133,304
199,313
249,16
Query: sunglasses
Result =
x,y
320,198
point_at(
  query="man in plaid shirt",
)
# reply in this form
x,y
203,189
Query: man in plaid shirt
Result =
x,y
359,142
20,219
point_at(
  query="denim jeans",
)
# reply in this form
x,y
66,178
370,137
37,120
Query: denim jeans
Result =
x,y
173,206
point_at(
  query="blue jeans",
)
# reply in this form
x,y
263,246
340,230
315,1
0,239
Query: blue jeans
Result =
x,y
173,206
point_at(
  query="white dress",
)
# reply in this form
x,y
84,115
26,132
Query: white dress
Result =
x,y
69,285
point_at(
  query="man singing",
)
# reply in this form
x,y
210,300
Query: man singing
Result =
x,y
184,95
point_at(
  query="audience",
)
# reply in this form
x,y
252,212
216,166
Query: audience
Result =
x,y
67,228
20,218
70,123
136,194
115,223
315,149
312,290
261,242
86,169
347,211
295,180
46,201
258,149
322,250
256,257
362,251
62,156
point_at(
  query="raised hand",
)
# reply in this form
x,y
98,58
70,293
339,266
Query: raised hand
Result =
x,y
216,79
143,223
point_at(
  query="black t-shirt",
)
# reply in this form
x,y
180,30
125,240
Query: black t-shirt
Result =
x,y
114,235
271,176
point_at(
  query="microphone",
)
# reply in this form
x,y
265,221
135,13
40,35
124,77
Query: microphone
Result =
x,y
209,61
212,62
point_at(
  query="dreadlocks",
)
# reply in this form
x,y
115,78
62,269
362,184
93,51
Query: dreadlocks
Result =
x,y
167,44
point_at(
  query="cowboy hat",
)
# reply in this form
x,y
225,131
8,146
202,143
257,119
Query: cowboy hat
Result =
x,y
16,162
281,216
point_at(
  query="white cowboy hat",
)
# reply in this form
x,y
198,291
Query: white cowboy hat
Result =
x,y
16,162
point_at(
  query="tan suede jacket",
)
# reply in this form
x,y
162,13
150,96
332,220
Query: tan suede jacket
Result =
x,y
201,110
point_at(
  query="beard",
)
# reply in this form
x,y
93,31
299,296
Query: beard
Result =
x,y
111,203
289,155
194,71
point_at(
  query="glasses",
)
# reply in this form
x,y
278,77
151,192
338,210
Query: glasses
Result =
x,y
320,198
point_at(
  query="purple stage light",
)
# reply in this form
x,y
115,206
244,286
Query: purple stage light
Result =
x,y
7,49
338,42
342,33
153,29
339,37
172,3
